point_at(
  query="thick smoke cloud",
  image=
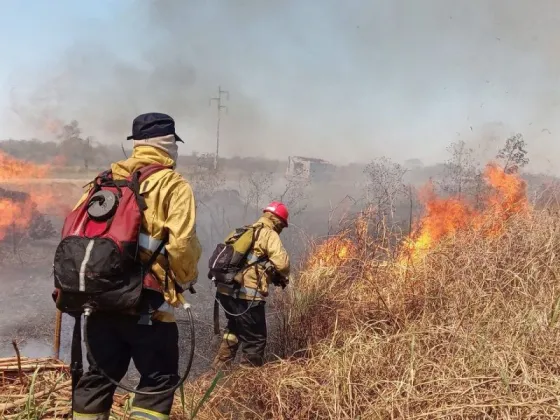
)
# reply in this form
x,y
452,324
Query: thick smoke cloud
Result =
x,y
341,80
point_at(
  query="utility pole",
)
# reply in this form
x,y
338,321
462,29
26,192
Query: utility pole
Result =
x,y
218,100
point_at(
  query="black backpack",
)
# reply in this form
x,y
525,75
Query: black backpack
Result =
x,y
232,256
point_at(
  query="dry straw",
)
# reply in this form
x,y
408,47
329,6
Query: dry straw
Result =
x,y
469,331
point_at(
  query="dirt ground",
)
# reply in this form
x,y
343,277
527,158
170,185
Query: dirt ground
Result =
x,y
28,312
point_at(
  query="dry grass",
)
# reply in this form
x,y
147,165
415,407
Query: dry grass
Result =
x,y
471,331
33,388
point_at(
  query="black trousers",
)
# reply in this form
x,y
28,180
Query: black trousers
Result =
x,y
116,339
249,328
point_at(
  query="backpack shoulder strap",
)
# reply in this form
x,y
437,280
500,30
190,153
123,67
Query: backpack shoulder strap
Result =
x,y
256,234
149,170
148,265
137,177
108,174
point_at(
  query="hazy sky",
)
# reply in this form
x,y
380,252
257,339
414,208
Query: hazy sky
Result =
x,y
342,80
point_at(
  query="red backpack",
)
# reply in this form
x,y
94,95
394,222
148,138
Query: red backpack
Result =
x,y
96,262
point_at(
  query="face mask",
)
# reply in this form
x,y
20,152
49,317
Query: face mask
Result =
x,y
165,143
279,227
173,151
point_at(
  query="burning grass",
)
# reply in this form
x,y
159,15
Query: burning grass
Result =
x,y
505,196
469,330
20,211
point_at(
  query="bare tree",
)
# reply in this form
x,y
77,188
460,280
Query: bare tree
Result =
x,y
384,185
255,190
295,194
513,155
461,173
204,180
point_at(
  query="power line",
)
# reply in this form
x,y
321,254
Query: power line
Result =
x,y
218,100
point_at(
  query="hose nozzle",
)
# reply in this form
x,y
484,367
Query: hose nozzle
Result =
x,y
186,305
88,309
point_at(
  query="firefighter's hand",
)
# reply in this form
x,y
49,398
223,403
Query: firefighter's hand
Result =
x,y
279,280
182,290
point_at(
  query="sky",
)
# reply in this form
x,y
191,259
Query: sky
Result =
x,y
347,81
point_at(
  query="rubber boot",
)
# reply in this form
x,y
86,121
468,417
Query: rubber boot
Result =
x,y
251,360
226,352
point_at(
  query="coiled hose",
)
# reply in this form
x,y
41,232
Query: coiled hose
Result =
x,y
88,311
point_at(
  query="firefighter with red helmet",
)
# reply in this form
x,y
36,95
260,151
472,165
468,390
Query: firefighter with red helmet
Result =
x,y
244,304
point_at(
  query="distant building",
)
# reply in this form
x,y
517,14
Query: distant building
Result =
x,y
413,164
309,168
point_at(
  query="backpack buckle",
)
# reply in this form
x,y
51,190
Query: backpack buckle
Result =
x,y
145,319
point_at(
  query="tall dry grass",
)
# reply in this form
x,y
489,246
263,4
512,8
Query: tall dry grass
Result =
x,y
470,331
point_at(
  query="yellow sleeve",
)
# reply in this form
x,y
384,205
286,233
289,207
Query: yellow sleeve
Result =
x,y
277,254
183,247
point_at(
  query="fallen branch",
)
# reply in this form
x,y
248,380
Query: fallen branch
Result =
x,y
18,355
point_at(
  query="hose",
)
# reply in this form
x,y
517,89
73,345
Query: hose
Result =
x,y
88,311
231,313
250,304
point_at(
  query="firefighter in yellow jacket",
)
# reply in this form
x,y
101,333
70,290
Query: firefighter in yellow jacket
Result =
x,y
244,303
149,338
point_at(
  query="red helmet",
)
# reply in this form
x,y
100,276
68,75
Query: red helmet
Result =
x,y
279,210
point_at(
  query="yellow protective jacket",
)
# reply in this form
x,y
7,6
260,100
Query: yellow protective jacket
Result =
x,y
255,279
170,215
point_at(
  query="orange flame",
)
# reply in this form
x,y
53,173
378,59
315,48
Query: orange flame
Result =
x,y
332,253
12,168
446,216
15,213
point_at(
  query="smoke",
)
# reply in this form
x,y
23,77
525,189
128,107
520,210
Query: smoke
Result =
x,y
343,81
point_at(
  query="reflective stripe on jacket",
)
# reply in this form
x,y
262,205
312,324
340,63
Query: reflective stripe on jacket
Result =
x,y
99,416
254,279
170,211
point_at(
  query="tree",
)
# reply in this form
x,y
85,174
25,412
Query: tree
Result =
x,y
513,155
74,147
384,185
461,173
204,180
296,193
255,190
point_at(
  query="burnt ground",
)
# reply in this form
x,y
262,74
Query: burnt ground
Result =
x,y
28,312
